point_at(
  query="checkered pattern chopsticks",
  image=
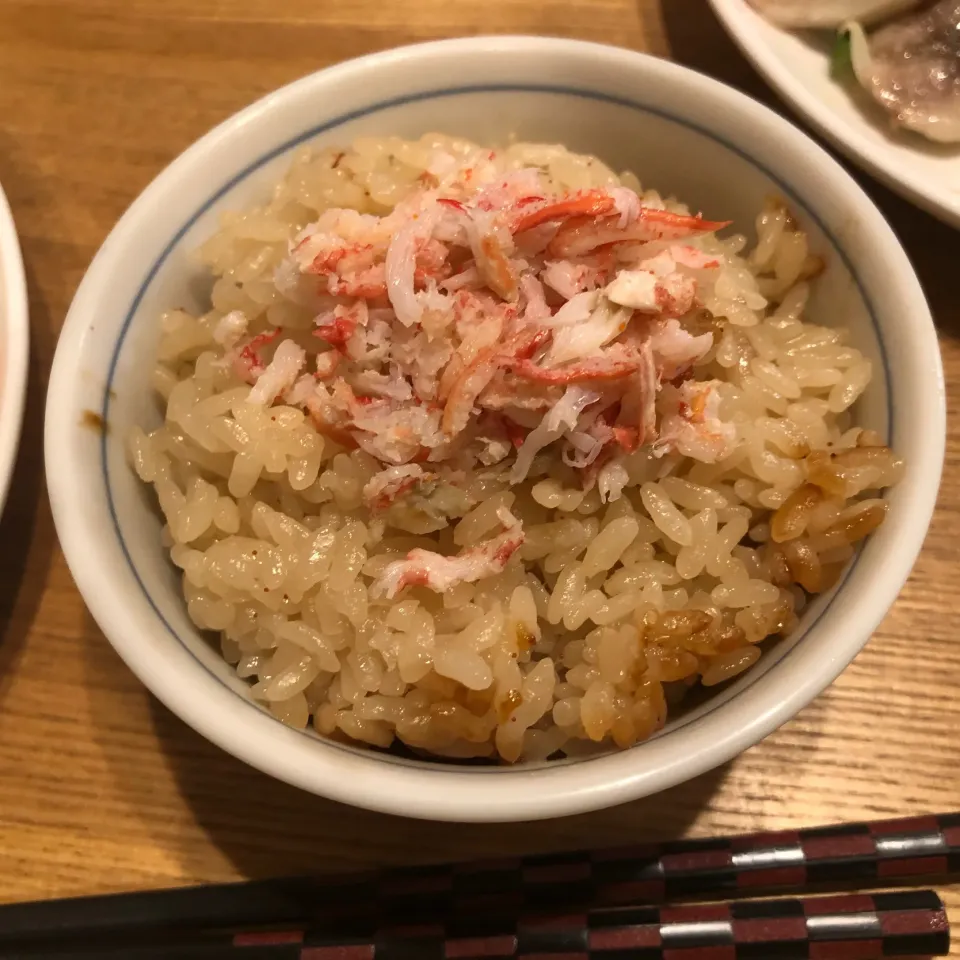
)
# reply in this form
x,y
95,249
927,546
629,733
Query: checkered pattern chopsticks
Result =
x,y
869,854
356,914
828,928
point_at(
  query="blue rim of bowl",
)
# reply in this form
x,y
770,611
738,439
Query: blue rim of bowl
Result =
x,y
442,93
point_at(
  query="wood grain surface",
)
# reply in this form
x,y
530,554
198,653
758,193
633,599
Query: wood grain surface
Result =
x,y
101,789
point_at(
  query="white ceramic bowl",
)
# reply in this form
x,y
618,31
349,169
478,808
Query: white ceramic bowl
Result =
x,y
681,131
14,346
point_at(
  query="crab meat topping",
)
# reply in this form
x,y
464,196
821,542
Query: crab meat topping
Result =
x,y
424,568
487,320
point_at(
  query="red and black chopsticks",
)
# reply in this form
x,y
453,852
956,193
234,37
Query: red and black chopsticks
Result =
x,y
869,854
912,923
564,905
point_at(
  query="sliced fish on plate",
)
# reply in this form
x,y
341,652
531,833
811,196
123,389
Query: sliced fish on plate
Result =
x,y
911,67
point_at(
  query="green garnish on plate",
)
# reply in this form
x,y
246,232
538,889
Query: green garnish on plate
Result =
x,y
841,58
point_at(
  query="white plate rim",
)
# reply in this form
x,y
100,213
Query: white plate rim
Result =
x,y
15,345
741,23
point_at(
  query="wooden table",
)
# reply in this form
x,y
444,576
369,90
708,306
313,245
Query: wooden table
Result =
x,y
101,789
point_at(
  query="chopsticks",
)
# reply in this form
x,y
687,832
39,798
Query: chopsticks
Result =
x,y
356,913
879,925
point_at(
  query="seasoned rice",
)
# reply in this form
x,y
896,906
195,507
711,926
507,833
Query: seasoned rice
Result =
x,y
477,594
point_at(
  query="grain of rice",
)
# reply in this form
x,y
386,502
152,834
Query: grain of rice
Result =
x,y
727,666
692,496
792,517
566,593
774,378
663,512
608,546
294,711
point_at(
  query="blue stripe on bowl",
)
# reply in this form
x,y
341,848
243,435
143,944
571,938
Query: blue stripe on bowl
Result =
x,y
312,132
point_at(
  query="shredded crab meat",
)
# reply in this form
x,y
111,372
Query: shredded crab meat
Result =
x,y
485,319
611,479
424,568
676,350
387,486
691,424
280,374
230,329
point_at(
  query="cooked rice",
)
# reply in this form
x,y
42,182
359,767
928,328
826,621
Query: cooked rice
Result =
x,y
614,604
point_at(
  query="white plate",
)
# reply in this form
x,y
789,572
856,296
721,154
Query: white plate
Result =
x,y
14,345
797,65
